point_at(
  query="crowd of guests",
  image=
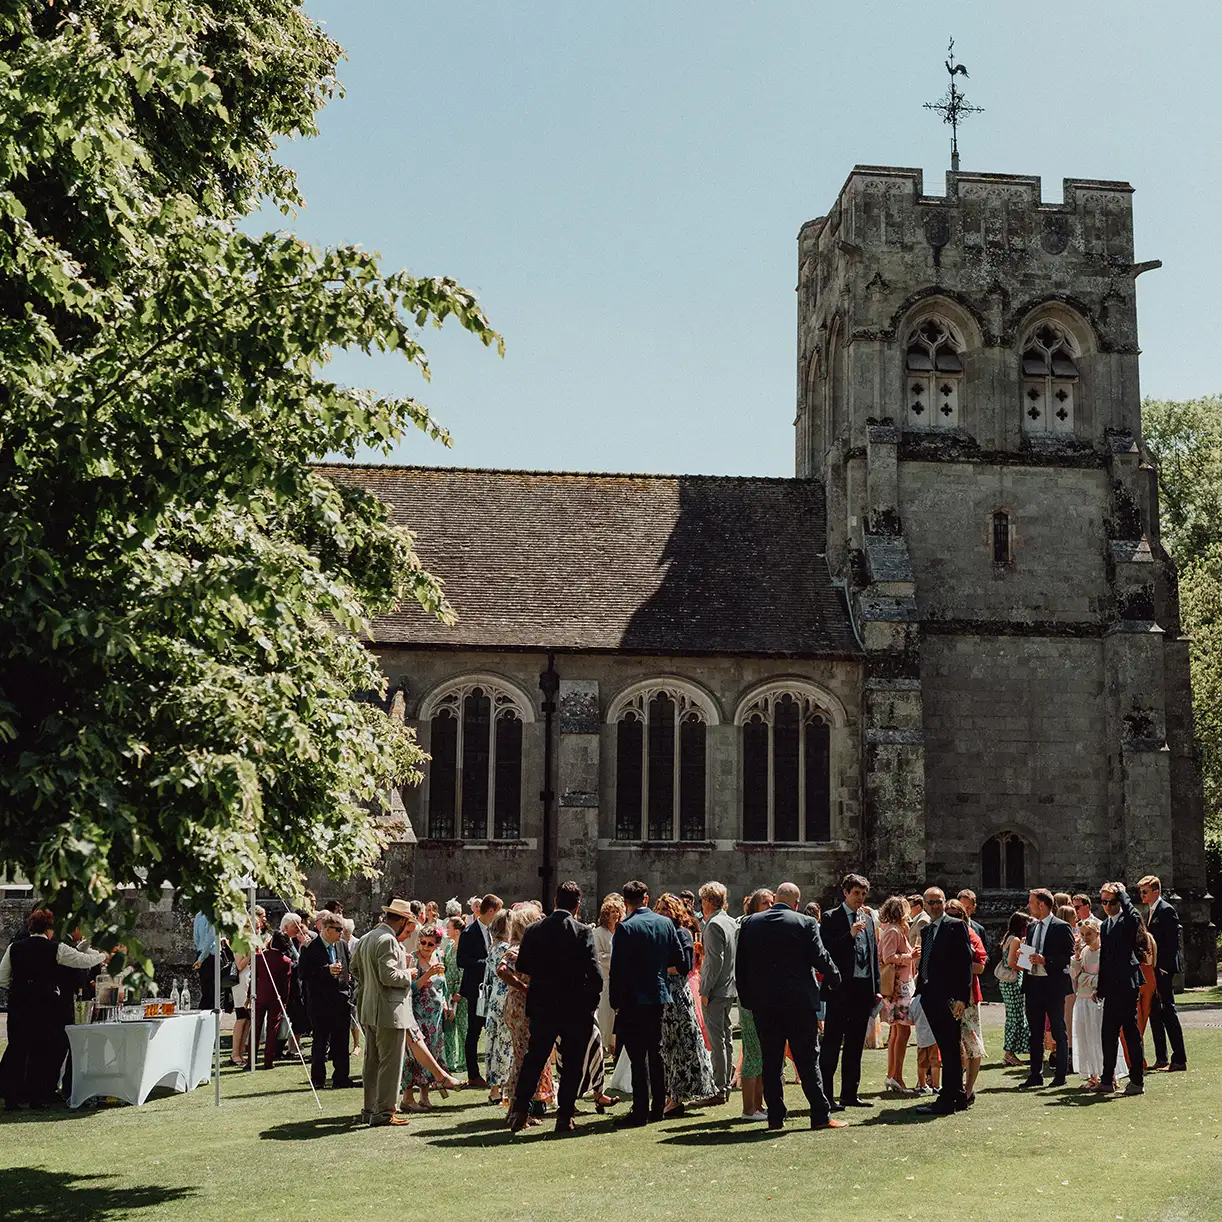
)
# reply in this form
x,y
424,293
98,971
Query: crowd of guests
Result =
x,y
652,990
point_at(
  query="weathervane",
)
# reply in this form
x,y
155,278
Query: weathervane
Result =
x,y
954,106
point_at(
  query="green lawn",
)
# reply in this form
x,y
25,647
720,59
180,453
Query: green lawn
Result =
x,y
269,1153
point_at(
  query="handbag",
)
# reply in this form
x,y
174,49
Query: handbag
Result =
x,y
1003,972
481,1002
229,967
887,980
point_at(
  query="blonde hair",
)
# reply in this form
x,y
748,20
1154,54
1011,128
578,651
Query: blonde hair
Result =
x,y
612,905
498,927
894,911
715,893
521,919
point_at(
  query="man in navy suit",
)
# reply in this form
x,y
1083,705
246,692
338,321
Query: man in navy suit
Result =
x,y
324,968
1046,986
848,934
1120,980
1163,922
472,955
645,946
778,953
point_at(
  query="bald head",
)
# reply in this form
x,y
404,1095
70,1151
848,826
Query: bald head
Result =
x,y
788,894
935,901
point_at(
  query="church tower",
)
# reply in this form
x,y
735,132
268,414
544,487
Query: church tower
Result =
x,y
968,394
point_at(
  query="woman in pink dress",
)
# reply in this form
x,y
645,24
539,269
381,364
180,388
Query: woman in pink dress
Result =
x,y
895,956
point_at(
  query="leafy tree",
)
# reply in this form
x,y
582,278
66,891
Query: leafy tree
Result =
x,y
182,597
1185,440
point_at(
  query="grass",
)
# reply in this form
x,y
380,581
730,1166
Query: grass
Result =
x,y
269,1153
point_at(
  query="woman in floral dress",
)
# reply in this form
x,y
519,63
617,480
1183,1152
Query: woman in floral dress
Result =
x,y
1017,1038
685,1055
514,1016
895,957
496,1034
456,1012
429,997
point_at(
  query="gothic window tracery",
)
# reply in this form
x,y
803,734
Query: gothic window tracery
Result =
x,y
786,738
660,765
1050,380
475,776
933,368
1003,863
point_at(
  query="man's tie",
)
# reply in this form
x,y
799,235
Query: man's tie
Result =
x,y
926,946
1039,937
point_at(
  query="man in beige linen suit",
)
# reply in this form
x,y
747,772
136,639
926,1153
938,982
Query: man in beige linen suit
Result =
x,y
384,1010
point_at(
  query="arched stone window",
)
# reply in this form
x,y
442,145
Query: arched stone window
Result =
x,y
1050,379
1004,862
786,765
933,368
660,761
475,774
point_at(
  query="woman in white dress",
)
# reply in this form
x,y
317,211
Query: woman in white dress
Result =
x,y
609,916
1087,1009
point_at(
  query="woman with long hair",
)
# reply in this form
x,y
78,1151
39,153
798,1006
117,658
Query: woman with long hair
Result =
x,y
429,1001
1017,1039
455,1026
610,914
895,957
496,1035
685,1055
751,1063
514,1018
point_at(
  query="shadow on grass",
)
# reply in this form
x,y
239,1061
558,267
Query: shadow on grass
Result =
x,y
309,1130
33,1194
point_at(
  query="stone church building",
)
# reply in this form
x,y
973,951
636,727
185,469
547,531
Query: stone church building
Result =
x,y
947,651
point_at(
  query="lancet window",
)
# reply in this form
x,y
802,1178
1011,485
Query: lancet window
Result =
x,y
933,366
1050,380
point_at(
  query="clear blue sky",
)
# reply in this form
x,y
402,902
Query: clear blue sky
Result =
x,y
623,184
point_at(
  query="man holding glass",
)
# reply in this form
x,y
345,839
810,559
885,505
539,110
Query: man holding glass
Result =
x,y
328,987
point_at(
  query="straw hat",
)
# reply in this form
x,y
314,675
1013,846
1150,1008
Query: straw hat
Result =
x,y
400,908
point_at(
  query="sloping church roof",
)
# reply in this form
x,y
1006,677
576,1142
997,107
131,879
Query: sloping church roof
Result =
x,y
685,564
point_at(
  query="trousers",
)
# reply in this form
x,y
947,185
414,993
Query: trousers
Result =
x,y
1165,1021
573,1035
273,1011
946,1030
721,1041
799,1027
639,1029
475,1024
331,1033
381,1071
1045,1002
1120,1017
844,1036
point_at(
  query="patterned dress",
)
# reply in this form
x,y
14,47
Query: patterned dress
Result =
x,y
753,1058
499,1043
514,1018
455,1028
428,1005
685,1056
1017,1038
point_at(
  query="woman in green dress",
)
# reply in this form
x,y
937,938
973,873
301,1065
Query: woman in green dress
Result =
x,y
751,1067
455,1026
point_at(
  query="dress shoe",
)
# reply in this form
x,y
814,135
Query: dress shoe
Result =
x,y
854,1103
935,1109
631,1122
829,1123
1161,1063
1104,1088
516,1121
776,1125
477,1084
835,1107
673,1113
1135,1088
1177,1067
1058,1081
397,1119
567,1125
1030,1083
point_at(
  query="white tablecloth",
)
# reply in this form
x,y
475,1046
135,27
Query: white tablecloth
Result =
x,y
127,1060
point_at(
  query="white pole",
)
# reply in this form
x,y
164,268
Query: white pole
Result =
x,y
216,1004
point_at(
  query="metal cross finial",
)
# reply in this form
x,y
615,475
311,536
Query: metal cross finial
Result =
x,y
954,106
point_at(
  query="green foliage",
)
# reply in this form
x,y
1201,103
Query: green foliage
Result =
x,y
1185,440
183,599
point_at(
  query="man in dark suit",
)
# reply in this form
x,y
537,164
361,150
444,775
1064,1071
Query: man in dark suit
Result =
x,y
1120,981
323,966
472,957
646,944
944,984
848,935
1163,923
559,956
778,953
1046,985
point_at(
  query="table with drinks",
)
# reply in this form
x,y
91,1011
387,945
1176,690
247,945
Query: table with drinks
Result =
x,y
126,1050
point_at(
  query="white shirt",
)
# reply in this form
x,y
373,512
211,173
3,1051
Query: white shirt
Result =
x,y
65,956
1037,931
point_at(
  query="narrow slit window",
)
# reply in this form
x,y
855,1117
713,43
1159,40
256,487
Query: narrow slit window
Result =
x,y
1002,552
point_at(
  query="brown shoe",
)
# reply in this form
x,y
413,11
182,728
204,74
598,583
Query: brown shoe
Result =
x,y
396,1118
516,1121
830,1123
477,1084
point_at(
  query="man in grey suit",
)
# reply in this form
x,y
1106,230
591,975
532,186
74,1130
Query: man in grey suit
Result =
x,y
717,992
384,1010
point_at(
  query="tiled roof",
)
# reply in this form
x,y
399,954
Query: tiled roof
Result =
x,y
686,564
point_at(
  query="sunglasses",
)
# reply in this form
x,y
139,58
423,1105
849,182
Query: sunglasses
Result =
x,y
1111,903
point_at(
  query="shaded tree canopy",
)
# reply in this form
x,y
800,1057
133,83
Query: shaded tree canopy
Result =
x,y
183,599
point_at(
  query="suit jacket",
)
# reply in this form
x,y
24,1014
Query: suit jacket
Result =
x,y
327,996
1163,923
1057,950
559,956
836,931
778,953
1119,962
717,970
944,972
644,946
383,983
472,958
